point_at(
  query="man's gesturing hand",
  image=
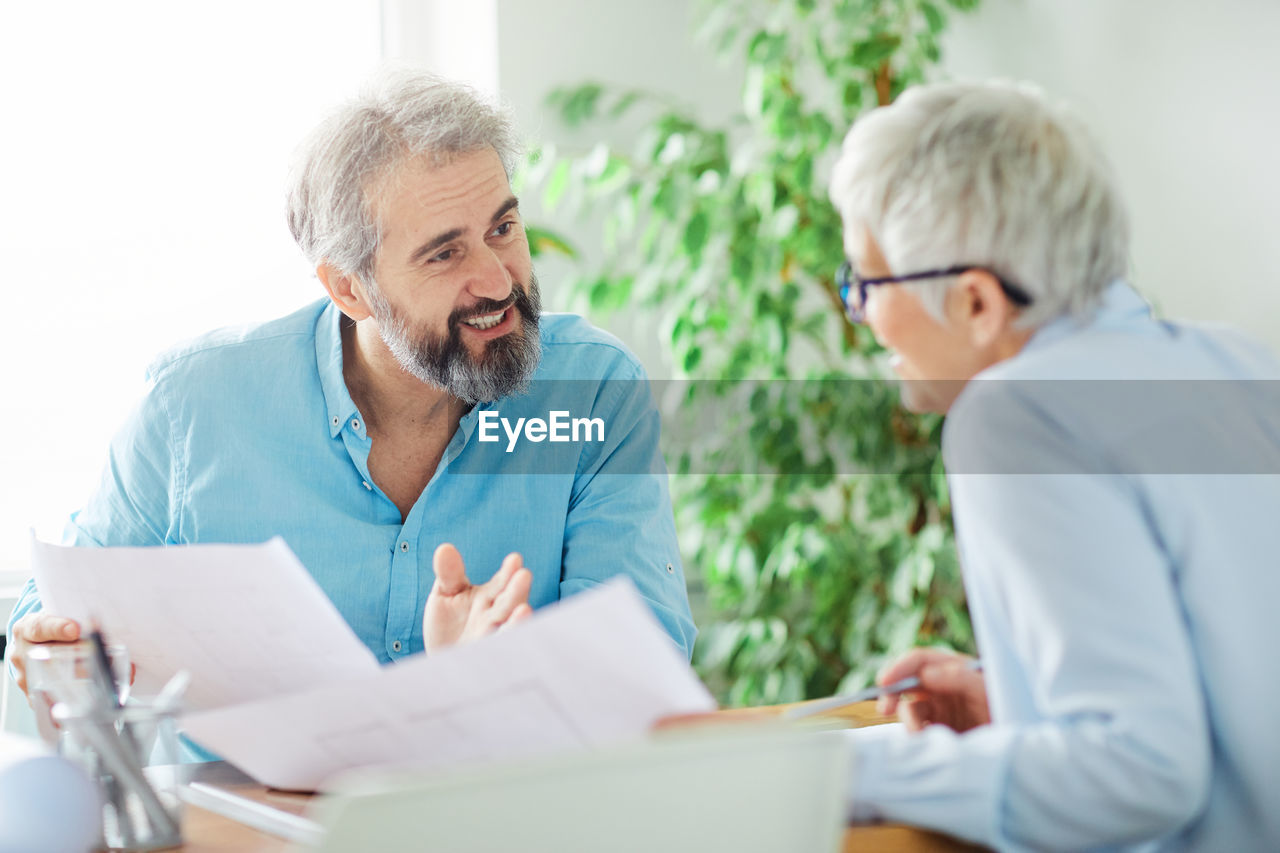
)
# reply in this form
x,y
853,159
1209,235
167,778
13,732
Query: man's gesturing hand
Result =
x,y
457,611
950,692
37,628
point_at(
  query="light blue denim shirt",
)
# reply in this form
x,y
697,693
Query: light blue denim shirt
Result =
x,y
246,434
1117,495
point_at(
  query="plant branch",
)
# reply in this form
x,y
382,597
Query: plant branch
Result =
x,y
883,80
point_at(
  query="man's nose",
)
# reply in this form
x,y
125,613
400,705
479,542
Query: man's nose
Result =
x,y
489,278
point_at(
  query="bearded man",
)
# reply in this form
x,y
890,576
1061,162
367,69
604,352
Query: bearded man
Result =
x,y
349,428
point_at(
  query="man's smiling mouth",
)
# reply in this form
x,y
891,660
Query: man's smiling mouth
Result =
x,y
487,321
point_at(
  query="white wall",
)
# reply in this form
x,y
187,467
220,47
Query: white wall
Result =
x,y
1185,95
457,39
630,45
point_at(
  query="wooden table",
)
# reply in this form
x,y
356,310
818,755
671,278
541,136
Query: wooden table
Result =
x,y
206,832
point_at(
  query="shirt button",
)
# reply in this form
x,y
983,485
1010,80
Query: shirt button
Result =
x,y
404,547
355,424
671,570
335,420
395,647
366,485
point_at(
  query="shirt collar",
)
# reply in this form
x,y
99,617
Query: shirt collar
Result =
x,y
1120,305
339,407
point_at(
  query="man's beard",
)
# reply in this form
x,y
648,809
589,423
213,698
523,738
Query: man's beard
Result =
x,y
505,366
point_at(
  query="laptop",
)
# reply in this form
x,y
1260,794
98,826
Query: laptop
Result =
x,y
750,790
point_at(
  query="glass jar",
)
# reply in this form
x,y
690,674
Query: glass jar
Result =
x,y
111,742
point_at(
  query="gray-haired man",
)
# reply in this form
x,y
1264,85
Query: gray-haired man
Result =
x,y
350,427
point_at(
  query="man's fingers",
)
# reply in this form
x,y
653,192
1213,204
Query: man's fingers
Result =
x,y
511,564
451,573
46,628
521,613
38,628
512,596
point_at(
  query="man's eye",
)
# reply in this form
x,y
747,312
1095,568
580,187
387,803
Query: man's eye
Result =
x,y
504,229
443,256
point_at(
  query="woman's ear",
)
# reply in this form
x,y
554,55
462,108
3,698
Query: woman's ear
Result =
x,y
979,306
346,291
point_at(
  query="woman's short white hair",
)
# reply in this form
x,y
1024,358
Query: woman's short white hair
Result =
x,y
402,113
988,174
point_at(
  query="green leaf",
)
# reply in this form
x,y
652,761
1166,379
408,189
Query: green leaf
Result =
x,y
766,48
579,104
673,149
905,633
600,294
667,199
624,103
594,164
870,54
695,234
542,241
852,95
784,221
557,183
934,17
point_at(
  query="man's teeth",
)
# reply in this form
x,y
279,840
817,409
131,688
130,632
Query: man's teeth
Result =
x,y
486,321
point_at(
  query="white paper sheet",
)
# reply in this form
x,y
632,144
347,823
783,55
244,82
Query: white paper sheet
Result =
x,y
247,621
594,669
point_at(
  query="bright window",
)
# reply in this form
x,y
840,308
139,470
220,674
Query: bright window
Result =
x,y
145,149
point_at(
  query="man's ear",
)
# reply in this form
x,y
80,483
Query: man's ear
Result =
x,y
980,305
346,291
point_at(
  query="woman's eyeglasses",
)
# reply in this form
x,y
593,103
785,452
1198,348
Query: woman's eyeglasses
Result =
x,y
853,288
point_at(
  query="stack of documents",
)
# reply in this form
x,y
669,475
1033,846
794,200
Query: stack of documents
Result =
x,y
295,703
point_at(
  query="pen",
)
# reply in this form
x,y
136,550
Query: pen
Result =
x,y
100,731
104,664
809,709
260,816
118,747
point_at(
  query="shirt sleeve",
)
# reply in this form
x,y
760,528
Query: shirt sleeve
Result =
x,y
620,520
131,504
1069,575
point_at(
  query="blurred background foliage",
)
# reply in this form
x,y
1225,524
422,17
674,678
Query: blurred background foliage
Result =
x,y
725,238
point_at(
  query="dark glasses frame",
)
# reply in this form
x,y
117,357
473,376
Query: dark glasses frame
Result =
x,y
849,281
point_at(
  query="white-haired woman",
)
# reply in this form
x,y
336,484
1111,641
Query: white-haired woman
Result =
x,y
1117,529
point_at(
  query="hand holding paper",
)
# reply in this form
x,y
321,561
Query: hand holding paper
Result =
x,y
212,609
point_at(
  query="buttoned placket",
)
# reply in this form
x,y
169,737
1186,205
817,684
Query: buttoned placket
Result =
x,y
404,609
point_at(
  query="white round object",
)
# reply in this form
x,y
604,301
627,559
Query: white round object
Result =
x,y
47,803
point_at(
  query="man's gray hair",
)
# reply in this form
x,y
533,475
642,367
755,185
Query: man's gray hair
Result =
x,y
989,174
402,113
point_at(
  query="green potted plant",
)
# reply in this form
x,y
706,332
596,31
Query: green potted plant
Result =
x,y
816,516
